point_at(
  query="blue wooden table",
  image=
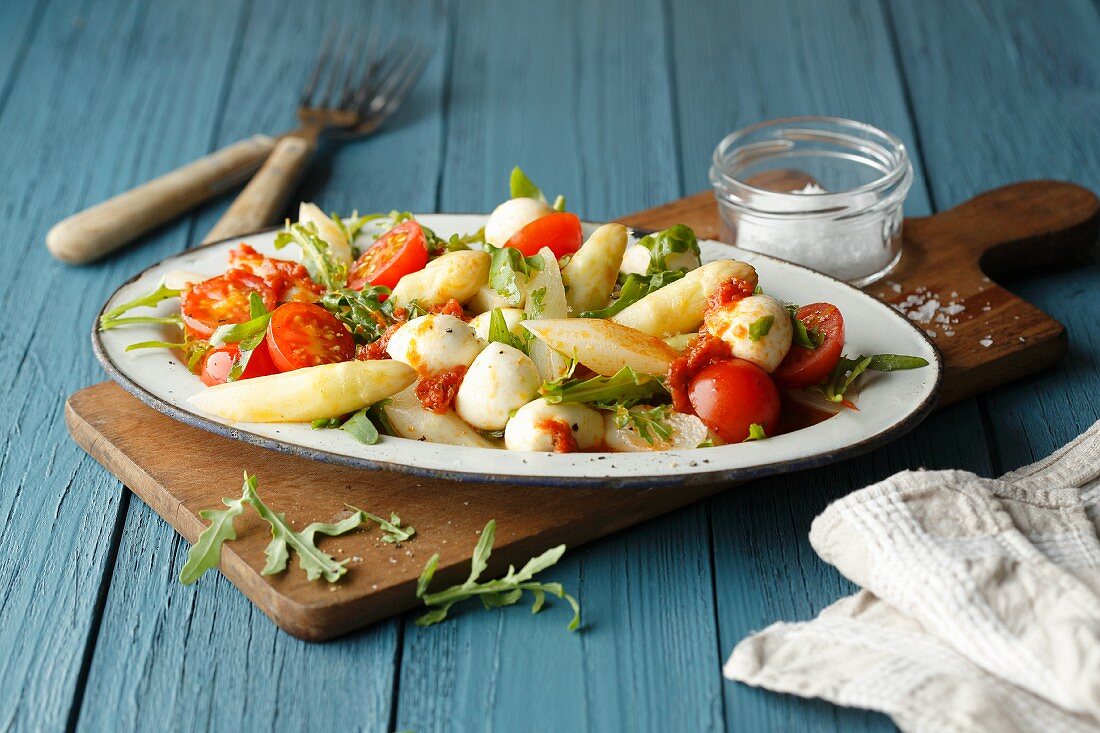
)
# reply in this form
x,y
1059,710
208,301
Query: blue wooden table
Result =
x,y
618,104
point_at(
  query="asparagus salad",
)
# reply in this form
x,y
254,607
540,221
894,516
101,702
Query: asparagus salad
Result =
x,y
524,335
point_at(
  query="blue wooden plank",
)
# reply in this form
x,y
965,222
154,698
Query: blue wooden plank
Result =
x,y
1023,102
737,64
578,95
203,656
18,24
75,96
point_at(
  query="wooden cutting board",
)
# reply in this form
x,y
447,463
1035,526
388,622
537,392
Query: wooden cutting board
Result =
x,y
948,257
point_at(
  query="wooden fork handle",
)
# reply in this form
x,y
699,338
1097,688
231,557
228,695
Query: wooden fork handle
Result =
x,y
265,196
94,232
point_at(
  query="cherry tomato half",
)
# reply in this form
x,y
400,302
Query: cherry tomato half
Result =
x,y
217,363
304,335
398,252
729,396
560,231
221,300
803,367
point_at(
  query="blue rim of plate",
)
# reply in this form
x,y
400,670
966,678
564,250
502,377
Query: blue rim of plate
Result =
x,y
653,481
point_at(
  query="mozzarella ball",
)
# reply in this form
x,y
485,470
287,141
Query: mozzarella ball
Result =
x,y
512,316
531,428
688,432
501,379
434,343
733,323
511,216
636,260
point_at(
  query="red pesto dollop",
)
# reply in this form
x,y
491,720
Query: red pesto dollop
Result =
x,y
376,350
728,291
437,392
451,308
563,439
289,280
705,351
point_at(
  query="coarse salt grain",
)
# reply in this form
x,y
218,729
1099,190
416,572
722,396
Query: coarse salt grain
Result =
x,y
924,312
987,341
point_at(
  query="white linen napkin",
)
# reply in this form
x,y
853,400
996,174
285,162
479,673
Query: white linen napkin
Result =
x,y
980,608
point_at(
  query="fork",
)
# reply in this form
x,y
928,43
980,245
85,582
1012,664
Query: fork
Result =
x,y
352,91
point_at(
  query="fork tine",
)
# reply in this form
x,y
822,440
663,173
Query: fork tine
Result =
x,y
409,82
369,68
393,77
348,88
339,54
326,50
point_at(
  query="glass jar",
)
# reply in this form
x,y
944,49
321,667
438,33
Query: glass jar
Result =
x,y
824,192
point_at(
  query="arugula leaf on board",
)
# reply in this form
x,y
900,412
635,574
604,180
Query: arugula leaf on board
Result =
x,y
847,371
676,239
317,256
392,531
633,288
114,317
505,591
206,553
506,266
313,560
761,327
626,388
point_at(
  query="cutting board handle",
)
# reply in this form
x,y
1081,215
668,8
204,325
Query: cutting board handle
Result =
x,y
1016,228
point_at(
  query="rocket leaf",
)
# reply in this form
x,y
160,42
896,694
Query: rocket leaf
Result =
x,y
493,593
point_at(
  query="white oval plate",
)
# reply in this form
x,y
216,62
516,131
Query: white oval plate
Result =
x,y
889,404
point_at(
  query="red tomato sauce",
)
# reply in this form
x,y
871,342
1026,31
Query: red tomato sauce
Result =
x,y
437,392
289,280
705,351
563,439
729,291
451,308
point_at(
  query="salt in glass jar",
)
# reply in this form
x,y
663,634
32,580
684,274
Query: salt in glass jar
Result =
x,y
824,192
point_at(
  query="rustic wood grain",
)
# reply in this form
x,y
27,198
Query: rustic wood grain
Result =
x,y
98,97
77,95
1023,99
206,644
585,108
736,64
